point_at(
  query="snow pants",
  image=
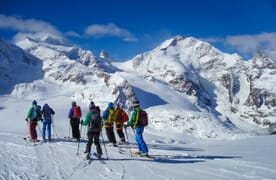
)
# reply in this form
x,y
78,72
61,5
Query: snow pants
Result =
x,y
140,141
75,127
119,129
33,133
46,124
110,135
96,137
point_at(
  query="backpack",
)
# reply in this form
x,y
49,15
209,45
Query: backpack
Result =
x,y
95,121
143,118
124,116
36,113
76,112
111,116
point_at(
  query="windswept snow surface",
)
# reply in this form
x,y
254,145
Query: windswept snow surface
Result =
x,y
178,156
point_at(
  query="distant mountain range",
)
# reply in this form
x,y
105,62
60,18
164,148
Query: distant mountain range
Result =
x,y
184,72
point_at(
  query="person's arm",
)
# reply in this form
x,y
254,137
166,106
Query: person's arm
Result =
x,y
86,121
70,114
30,113
105,114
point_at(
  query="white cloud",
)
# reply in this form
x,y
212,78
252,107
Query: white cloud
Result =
x,y
251,43
247,44
213,39
27,25
99,30
72,34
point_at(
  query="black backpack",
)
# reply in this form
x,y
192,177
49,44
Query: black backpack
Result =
x,y
95,121
143,118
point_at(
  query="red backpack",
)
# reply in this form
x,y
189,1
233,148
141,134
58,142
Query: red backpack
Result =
x,y
124,116
77,112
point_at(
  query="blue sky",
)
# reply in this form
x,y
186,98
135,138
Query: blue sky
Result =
x,y
125,28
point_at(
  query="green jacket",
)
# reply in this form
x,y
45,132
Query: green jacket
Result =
x,y
87,119
31,112
134,119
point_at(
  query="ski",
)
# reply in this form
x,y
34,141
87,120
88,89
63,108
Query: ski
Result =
x,y
34,143
121,151
100,159
90,158
143,157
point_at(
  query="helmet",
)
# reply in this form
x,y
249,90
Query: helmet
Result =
x,y
136,103
110,105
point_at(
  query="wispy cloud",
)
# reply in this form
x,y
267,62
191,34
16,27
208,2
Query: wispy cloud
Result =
x,y
246,44
251,43
100,30
27,25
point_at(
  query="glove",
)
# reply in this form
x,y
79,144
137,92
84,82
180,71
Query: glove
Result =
x,y
126,125
81,122
26,119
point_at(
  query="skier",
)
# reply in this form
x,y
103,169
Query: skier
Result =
x,y
134,123
121,117
74,116
94,121
108,116
34,114
47,113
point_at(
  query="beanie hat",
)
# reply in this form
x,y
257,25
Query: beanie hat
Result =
x,y
91,105
74,103
34,102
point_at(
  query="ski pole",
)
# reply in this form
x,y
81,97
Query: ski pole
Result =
x,y
54,129
79,143
69,129
28,128
104,145
128,143
39,128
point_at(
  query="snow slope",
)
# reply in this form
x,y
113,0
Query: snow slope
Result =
x,y
178,156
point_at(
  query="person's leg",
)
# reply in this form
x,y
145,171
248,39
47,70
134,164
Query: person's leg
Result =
x,y
112,136
43,129
32,127
75,128
89,143
121,135
97,144
140,141
108,134
35,134
72,127
49,130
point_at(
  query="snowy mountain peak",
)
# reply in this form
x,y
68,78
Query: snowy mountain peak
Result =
x,y
261,60
171,42
17,66
42,38
104,55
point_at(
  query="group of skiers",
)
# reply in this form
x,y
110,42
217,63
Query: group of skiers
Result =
x,y
94,121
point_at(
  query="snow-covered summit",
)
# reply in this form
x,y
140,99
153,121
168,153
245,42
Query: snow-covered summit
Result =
x,y
221,83
17,66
